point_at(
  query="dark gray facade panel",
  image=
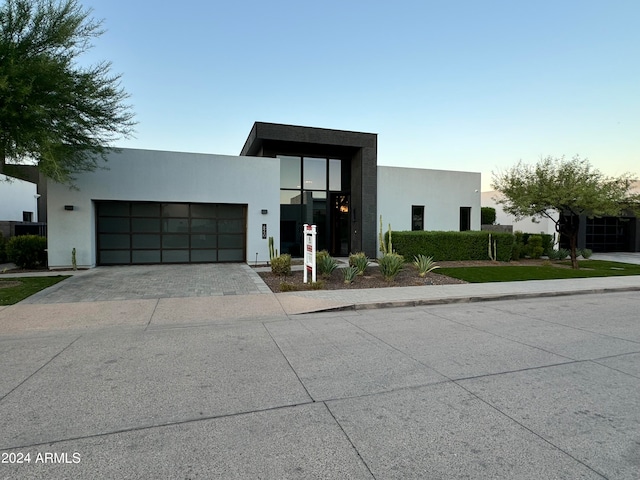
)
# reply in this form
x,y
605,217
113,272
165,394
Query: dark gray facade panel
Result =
x,y
359,149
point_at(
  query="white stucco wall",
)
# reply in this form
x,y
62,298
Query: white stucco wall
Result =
x,y
526,225
442,192
16,196
159,176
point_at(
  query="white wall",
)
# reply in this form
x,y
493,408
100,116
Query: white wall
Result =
x,y
442,192
147,175
526,225
16,196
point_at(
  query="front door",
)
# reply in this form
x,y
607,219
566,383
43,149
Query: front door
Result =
x,y
340,237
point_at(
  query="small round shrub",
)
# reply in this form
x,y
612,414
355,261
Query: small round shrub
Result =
x,y
586,253
27,251
288,287
281,265
534,246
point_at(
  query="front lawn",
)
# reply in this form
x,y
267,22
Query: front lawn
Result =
x,y
12,290
508,273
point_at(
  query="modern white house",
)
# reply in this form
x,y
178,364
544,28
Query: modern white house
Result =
x,y
170,207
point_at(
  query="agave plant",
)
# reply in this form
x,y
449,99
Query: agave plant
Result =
x,y
390,265
326,265
424,264
359,260
349,274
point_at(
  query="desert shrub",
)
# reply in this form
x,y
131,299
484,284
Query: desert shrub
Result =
x,y
27,251
390,265
281,265
487,215
288,286
442,246
534,246
319,285
586,253
349,274
547,242
359,260
424,264
326,265
559,254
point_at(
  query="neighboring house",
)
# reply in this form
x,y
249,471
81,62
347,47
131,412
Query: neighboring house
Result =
x,y
168,207
600,234
526,225
18,200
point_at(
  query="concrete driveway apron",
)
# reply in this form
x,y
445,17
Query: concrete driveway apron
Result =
x,y
152,282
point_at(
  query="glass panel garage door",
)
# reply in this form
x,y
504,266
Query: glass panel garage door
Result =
x,y
145,232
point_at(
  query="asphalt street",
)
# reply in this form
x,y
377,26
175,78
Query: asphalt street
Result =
x,y
523,389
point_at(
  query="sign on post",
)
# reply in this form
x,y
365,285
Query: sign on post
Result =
x,y
309,233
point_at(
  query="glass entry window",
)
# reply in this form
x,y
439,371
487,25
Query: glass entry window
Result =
x,y
150,232
308,189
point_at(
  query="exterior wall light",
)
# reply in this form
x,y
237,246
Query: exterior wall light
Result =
x,y
68,207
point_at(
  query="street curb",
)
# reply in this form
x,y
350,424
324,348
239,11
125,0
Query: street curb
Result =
x,y
468,299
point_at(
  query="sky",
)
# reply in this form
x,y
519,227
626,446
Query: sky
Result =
x,y
452,84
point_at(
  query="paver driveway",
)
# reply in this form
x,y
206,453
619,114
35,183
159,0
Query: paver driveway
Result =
x,y
154,281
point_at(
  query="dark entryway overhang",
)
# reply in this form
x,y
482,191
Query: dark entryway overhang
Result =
x,y
359,149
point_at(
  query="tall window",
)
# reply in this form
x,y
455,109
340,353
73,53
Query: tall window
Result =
x,y
465,219
417,217
306,186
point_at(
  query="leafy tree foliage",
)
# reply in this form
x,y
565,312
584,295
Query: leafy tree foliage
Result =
x,y
53,111
568,187
487,215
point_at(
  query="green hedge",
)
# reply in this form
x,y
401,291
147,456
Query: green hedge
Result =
x,y
442,246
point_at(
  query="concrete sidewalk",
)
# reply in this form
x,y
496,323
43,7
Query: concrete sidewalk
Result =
x,y
358,299
147,312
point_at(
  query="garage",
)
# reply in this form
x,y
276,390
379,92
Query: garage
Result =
x,y
133,233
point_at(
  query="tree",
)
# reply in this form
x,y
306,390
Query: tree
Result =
x,y
487,215
568,187
54,112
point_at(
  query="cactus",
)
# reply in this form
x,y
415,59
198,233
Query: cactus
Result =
x,y
74,263
385,248
273,253
492,249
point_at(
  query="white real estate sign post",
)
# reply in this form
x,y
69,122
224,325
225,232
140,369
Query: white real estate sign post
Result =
x,y
309,232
